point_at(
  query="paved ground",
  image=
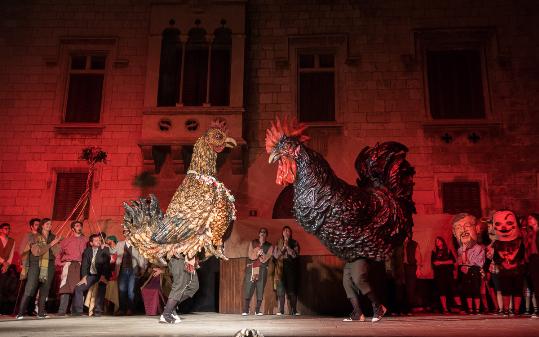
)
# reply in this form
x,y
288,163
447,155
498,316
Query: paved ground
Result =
x,y
227,325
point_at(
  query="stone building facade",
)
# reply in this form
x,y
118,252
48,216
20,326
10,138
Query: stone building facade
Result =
x,y
375,70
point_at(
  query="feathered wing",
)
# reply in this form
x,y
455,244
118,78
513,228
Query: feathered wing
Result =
x,y
195,221
384,169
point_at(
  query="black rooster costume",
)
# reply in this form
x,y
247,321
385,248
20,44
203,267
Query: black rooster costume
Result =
x,y
363,221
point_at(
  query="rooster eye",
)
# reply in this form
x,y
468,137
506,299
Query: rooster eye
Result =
x,y
219,136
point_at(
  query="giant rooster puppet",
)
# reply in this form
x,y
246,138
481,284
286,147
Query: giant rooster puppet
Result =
x,y
198,215
366,220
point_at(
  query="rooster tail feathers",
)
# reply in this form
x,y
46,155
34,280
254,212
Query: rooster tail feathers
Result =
x,y
385,165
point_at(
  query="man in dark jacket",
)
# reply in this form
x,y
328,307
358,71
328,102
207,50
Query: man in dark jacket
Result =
x,y
95,268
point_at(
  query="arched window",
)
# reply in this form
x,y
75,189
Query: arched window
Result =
x,y
221,50
170,68
195,76
282,209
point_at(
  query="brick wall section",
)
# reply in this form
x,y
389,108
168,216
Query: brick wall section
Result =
x,y
383,100
380,98
30,147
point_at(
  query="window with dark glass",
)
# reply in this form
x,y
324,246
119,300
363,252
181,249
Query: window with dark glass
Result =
x,y
196,68
461,197
69,189
85,88
455,84
169,68
221,50
196,72
316,87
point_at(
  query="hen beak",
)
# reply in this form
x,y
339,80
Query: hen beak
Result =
x,y
230,142
273,157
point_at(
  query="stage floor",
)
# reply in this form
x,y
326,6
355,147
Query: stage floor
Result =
x,y
212,324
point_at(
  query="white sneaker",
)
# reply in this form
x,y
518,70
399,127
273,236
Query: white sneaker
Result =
x,y
163,319
350,319
379,313
19,317
176,317
278,314
244,313
259,314
297,314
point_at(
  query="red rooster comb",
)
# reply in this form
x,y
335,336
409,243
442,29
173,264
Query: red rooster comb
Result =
x,y
219,123
289,128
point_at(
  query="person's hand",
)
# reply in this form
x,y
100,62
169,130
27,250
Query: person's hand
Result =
x,y
157,271
260,252
82,281
103,279
464,269
5,266
55,241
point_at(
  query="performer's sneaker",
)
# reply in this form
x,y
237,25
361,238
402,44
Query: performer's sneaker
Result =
x,y
19,317
279,313
176,317
169,319
259,314
379,312
245,314
361,318
42,316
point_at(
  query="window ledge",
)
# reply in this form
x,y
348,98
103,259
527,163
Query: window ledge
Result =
x,y
329,125
183,110
461,124
79,128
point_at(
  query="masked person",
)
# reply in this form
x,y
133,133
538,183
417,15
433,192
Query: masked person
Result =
x,y
509,258
491,269
471,258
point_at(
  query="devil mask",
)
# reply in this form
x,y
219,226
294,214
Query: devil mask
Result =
x,y
506,225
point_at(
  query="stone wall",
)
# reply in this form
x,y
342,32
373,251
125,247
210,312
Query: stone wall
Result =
x,y
381,96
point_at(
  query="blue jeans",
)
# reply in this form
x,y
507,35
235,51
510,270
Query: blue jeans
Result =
x,y
126,289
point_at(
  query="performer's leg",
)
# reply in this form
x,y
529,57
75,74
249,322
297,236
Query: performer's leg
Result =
x,y
260,285
32,282
170,307
191,286
100,298
280,296
123,290
351,291
78,296
131,292
290,289
44,290
248,290
64,302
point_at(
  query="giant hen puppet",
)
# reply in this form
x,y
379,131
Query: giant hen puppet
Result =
x,y
198,215
366,220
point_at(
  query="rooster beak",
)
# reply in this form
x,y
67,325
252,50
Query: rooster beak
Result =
x,y
273,157
230,142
